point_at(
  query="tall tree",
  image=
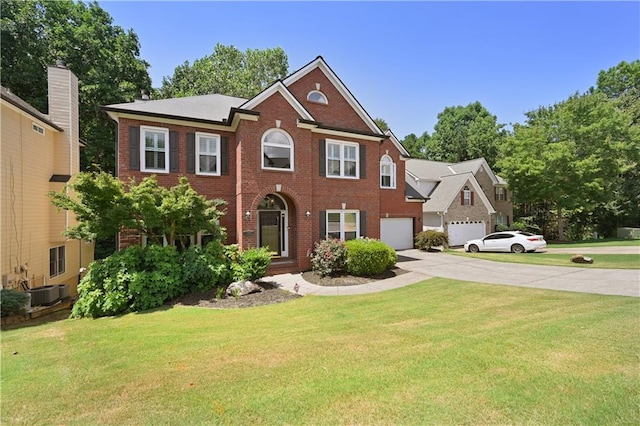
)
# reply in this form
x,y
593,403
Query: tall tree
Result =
x,y
382,124
465,133
417,146
106,59
569,155
227,71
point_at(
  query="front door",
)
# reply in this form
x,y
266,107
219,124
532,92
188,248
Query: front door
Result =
x,y
270,231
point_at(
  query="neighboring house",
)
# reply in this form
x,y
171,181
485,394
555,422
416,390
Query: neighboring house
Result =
x,y
40,153
466,200
300,162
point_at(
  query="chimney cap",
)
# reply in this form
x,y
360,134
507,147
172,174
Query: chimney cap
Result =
x,y
60,63
145,95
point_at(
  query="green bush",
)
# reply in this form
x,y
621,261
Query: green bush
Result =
x,y
329,257
425,240
12,302
204,269
254,263
367,257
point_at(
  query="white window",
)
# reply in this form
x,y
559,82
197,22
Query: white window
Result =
x,y
317,96
387,172
343,224
208,154
466,196
277,150
56,261
501,194
343,159
37,128
154,149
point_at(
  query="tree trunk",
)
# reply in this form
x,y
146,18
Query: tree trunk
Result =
x,y
560,227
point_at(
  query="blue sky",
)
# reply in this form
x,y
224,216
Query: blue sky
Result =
x,y
406,61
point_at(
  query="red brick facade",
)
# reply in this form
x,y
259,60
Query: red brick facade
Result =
x,y
304,190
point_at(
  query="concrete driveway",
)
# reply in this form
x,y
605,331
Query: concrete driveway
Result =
x,y
423,265
621,282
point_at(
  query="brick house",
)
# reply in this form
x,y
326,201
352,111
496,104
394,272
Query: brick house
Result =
x,y
299,162
467,200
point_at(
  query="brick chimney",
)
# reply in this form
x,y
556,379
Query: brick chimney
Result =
x,y
63,111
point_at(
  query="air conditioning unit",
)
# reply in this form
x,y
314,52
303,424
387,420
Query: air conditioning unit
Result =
x,y
46,295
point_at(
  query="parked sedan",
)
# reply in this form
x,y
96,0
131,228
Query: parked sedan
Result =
x,y
513,241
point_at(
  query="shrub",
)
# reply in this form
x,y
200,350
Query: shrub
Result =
x,y
425,240
329,257
254,263
12,302
367,256
204,269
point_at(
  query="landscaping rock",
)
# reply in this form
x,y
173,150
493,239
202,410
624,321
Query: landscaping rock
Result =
x,y
578,258
242,288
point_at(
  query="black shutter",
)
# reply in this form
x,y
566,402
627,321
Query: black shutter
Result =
x,y
363,161
322,149
191,152
363,223
224,155
173,152
322,222
134,148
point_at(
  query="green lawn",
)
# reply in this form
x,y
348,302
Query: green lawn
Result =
x,y
438,352
602,261
596,243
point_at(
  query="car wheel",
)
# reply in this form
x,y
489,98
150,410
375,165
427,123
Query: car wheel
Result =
x,y
473,248
517,248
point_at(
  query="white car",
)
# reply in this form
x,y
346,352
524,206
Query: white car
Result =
x,y
513,241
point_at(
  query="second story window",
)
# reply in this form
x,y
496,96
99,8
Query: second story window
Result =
x,y
467,197
342,159
317,96
387,172
208,155
501,194
154,149
277,150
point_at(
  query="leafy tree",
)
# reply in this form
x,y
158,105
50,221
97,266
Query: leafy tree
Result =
x,y
226,71
382,124
569,155
417,146
104,57
103,208
465,133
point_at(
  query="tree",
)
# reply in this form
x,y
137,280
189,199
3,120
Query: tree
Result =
x,y
104,57
465,133
382,124
569,155
226,71
417,146
103,208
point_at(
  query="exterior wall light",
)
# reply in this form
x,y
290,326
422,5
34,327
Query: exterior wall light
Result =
x,y
307,214
247,215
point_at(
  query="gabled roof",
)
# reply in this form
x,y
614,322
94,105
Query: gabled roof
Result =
x,y
397,143
17,102
446,192
204,107
278,87
427,170
320,64
473,166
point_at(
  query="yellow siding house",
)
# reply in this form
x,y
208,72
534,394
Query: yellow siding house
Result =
x,y
39,153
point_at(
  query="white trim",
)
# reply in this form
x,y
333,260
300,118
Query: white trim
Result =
x,y
387,161
333,78
217,153
324,100
341,158
283,232
278,87
143,150
291,148
342,223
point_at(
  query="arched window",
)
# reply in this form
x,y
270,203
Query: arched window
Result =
x,y
277,150
317,96
387,172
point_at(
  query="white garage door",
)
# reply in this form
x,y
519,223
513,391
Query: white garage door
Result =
x,y
461,232
397,232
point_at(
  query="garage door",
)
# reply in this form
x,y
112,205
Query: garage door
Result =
x,y
461,232
397,232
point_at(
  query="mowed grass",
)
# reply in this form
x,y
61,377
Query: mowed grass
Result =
x,y
438,352
600,260
597,243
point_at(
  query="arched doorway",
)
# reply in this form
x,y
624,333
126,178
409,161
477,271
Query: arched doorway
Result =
x,y
273,225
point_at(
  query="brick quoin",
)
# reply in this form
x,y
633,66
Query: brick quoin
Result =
x,y
303,189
